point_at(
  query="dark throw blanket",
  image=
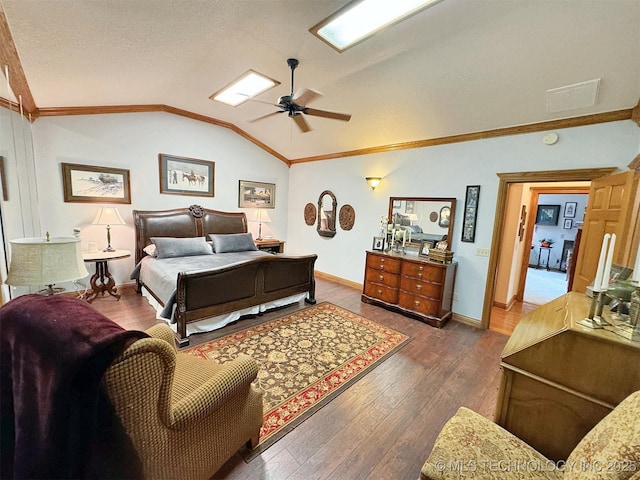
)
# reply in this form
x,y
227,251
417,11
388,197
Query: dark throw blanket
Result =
x,y
56,420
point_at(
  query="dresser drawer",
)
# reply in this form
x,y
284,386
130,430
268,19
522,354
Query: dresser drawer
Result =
x,y
419,304
420,287
424,271
382,277
376,290
381,262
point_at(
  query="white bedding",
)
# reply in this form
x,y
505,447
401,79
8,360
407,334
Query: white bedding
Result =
x,y
213,323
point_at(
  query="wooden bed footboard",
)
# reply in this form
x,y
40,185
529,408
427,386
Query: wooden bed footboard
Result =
x,y
223,290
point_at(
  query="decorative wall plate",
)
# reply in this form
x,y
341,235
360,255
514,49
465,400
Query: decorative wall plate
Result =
x,y
347,217
309,214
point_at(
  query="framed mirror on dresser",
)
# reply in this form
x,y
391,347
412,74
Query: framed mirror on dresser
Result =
x,y
423,218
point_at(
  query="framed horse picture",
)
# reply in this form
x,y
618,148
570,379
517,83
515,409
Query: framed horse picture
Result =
x,y
186,176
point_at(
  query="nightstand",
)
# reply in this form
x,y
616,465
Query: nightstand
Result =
x,y
270,245
102,281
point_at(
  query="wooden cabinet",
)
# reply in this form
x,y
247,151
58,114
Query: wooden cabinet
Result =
x,y
410,285
559,378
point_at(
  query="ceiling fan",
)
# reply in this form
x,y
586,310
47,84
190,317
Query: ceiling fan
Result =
x,y
296,105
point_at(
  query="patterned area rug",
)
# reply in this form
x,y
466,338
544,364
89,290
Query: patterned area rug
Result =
x,y
306,359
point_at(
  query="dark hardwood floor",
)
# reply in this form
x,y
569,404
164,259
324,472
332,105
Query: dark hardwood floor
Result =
x,y
382,427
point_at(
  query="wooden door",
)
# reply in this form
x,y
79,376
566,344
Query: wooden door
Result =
x,y
610,209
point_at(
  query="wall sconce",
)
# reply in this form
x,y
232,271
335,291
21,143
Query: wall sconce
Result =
x,y
108,216
373,182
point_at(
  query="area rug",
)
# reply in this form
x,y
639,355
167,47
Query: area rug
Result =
x,y
305,360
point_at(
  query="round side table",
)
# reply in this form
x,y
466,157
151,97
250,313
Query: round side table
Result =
x,y
102,281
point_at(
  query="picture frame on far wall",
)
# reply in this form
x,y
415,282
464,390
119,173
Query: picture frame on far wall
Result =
x,y
256,194
547,214
92,184
570,209
186,176
378,243
568,223
470,213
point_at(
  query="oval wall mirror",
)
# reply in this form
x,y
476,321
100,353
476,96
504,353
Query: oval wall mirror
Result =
x,y
424,218
327,207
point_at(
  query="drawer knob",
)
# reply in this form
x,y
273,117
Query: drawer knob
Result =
x,y
419,275
419,287
379,292
416,303
420,268
381,277
382,260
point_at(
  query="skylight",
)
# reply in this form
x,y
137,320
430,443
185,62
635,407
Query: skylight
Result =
x,y
242,89
362,18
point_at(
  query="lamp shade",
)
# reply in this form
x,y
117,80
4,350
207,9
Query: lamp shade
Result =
x,y
108,216
36,261
261,215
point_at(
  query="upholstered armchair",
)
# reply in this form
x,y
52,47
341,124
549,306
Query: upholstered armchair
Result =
x,y
470,446
185,416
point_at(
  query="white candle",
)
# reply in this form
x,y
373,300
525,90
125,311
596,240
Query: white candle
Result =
x,y
636,268
608,263
597,282
404,237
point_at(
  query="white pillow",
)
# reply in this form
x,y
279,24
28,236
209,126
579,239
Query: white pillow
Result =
x,y
151,250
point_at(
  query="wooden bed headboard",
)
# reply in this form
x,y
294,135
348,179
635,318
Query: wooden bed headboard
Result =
x,y
194,221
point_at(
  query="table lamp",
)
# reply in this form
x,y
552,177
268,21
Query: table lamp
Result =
x,y
260,216
45,261
108,216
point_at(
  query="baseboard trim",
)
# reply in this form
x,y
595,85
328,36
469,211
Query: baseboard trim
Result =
x,y
505,306
473,322
339,280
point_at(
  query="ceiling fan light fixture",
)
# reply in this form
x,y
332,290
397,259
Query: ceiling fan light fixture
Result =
x,y
360,19
244,88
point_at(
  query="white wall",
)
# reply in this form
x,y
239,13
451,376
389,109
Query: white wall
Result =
x,y
442,171
133,142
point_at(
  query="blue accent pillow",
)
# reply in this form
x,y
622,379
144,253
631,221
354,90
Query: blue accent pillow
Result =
x,y
232,242
169,247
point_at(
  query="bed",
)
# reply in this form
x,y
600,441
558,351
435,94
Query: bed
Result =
x,y
222,285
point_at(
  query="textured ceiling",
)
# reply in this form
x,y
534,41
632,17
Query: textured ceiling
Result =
x,y
461,66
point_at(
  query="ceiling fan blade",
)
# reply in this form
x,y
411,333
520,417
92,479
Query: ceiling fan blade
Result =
x,y
301,122
322,113
306,96
261,117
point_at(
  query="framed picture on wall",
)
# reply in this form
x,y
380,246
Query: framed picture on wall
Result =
x,y
186,176
91,184
256,195
470,213
547,214
568,223
570,209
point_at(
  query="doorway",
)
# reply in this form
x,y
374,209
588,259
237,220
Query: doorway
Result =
x,y
521,235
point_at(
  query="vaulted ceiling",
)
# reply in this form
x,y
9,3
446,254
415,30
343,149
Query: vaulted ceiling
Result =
x,y
459,67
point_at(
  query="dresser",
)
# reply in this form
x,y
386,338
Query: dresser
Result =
x,y
410,285
559,378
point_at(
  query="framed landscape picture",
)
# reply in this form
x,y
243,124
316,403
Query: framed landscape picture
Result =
x,y
547,214
91,184
186,176
256,195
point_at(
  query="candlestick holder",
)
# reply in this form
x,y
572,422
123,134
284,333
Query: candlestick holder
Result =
x,y
594,319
